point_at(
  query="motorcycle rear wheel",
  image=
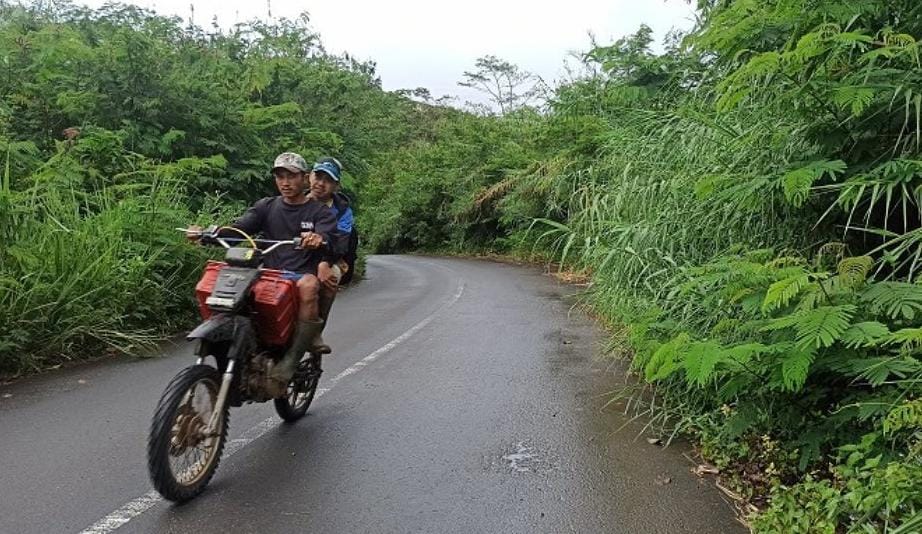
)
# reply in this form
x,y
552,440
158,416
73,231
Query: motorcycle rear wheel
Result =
x,y
301,390
181,458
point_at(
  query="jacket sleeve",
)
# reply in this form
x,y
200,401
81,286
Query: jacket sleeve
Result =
x,y
339,242
325,225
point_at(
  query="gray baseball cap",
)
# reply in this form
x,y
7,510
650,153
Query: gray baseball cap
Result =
x,y
291,161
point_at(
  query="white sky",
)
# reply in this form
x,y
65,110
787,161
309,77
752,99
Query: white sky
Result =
x,y
418,43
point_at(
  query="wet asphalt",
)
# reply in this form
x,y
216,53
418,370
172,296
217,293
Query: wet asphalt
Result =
x,y
489,418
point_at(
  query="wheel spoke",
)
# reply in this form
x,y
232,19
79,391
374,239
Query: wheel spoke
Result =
x,y
194,451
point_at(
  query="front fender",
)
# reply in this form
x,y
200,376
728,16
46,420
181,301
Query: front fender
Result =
x,y
218,327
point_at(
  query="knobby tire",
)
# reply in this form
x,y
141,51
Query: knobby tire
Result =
x,y
159,439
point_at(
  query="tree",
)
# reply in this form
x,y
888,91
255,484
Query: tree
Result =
x,y
508,87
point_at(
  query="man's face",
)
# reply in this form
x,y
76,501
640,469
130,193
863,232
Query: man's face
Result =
x,y
289,183
322,186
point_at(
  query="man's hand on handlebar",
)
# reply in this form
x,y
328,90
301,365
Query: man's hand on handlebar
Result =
x,y
311,241
193,232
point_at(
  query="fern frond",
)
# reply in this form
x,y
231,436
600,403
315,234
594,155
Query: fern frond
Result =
x,y
865,334
795,367
781,292
810,298
796,183
908,338
743,354
854,271
699,361
823,326
906,415
785,261
897,300
854,98
875,371
665,360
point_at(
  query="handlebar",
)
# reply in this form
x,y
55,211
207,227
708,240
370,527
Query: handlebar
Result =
x,y
225,241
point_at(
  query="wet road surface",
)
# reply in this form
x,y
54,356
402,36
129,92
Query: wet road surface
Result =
x,y
477,408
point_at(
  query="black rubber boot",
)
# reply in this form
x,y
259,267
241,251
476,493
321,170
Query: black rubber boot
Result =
x,y
305,339
324,311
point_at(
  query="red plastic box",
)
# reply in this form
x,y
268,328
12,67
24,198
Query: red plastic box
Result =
x,y
275,302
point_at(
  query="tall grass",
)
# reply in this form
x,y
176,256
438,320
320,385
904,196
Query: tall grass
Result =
x,y
89,271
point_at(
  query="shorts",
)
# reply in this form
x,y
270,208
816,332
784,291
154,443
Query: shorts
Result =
x,y
294,277
291,275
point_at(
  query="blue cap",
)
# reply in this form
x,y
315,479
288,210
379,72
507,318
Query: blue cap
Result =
x,y
328,167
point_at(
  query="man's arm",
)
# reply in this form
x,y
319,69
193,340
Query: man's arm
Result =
x,y
253,219
325,225
250,222
339,241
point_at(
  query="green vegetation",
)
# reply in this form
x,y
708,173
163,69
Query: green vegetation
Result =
x,y
117,126
746,204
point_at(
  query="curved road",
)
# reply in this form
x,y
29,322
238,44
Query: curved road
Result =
x,y
462,396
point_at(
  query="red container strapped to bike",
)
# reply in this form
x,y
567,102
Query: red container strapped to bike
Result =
x,y
275,302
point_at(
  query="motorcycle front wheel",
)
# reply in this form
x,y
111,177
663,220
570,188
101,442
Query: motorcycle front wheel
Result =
x,y
301,390
182,455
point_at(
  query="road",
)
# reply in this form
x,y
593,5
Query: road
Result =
x,y
462,396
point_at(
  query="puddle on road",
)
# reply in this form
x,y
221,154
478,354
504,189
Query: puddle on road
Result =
x,y
521,458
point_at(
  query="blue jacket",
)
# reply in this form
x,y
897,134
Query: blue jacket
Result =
x,y
339,238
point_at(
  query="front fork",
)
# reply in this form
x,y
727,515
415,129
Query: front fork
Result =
x,y
215,421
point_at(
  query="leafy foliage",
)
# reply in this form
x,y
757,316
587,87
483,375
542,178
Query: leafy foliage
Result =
x,y
746,203
117,125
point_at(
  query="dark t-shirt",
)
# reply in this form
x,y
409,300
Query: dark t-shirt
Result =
x,y
274,219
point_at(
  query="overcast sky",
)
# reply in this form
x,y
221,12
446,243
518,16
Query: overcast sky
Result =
x,y
418,43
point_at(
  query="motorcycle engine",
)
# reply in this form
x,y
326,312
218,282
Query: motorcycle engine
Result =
x,y
256,371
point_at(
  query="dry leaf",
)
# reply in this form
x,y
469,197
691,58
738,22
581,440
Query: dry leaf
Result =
x,y
705,469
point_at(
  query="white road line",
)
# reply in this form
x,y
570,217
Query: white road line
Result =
x,y
138,506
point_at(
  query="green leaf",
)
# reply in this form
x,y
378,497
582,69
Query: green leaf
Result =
x,y
699,361
821,327
797,183
781,292
878,370
665,360
906,415
854,271
795,367
909,338
864,334
854,98
898,300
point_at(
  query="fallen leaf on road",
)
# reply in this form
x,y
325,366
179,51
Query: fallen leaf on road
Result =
x,y
705,469
654,441
663,479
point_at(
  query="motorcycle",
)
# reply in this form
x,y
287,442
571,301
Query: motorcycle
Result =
x,y
248,314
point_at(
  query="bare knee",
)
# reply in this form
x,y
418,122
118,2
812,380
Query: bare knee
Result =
x,y
308,286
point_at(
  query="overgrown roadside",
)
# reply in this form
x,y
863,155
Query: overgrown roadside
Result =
x,y
746,203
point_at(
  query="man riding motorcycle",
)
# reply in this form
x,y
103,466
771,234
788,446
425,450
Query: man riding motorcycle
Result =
x,y
280,217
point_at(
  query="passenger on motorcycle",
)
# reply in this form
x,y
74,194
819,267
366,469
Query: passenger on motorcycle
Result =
x,y
280,217
324,187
